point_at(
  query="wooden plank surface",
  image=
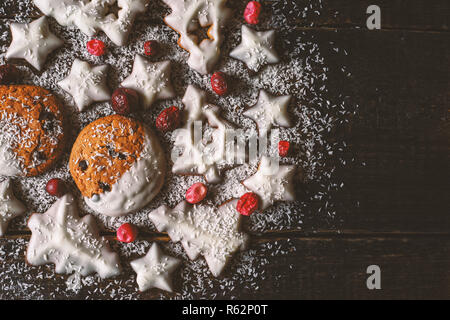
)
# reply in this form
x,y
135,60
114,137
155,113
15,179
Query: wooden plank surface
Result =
x,y
395,209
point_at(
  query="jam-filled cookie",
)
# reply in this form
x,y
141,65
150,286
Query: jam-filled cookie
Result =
x,y
118,165
31,130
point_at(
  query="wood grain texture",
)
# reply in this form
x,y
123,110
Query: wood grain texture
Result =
x,y
396,205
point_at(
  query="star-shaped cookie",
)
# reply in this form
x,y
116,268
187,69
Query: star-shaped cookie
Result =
x,y
153,270
10,207
32,42
86,84
256,48
269,111
272,182
150,80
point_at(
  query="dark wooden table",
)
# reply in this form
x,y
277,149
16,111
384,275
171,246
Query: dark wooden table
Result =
x,y
395,211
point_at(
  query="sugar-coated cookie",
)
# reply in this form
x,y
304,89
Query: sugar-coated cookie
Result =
x,y
10,207
256,48
91,16
118,165
210,231
72,243
33,42
153,270
186,17
31,130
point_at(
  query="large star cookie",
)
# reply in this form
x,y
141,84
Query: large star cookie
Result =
x,y
272,182
150,80
86,84
10,207
256,48
154,269
186,17
59,236
201,154
114,17
269,111
203,230
32,42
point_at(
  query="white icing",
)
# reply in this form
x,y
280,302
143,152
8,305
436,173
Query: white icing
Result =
x,y
137,186
256,48
86,84
32,42
272,183
10,207
269,111
10,165
153,270
94,15
200,156
208,13
150,80
59,236
203,230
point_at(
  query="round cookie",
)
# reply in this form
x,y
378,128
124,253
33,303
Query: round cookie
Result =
x,y
31,130
118,165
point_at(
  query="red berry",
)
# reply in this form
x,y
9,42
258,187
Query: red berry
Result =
x,y
219,83
168,119
124,101
127,233
56,187
247,204
283,148
252,11
196,193
8,73
96,47
151,48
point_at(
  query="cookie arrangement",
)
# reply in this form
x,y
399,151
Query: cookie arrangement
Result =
x,y
120,163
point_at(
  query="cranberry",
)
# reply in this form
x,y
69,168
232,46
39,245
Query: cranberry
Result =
x,y
219,83
124,101
127,233
247,204
283,148
196,193
151,48
168,119
8,73
252,11
96,47
56,187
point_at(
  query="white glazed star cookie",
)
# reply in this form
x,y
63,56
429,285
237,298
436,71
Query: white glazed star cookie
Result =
x,y
150,80
269,111
203,230
154,269
59,236
272,183
32,42
186,17
93,15
256,48
10,207
86,84
201,155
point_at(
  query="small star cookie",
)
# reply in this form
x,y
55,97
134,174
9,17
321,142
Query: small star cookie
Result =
x,y
272,182
10,207
203,230
72,243
150,80
32,42
86,84
153,270
256,48
269,111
